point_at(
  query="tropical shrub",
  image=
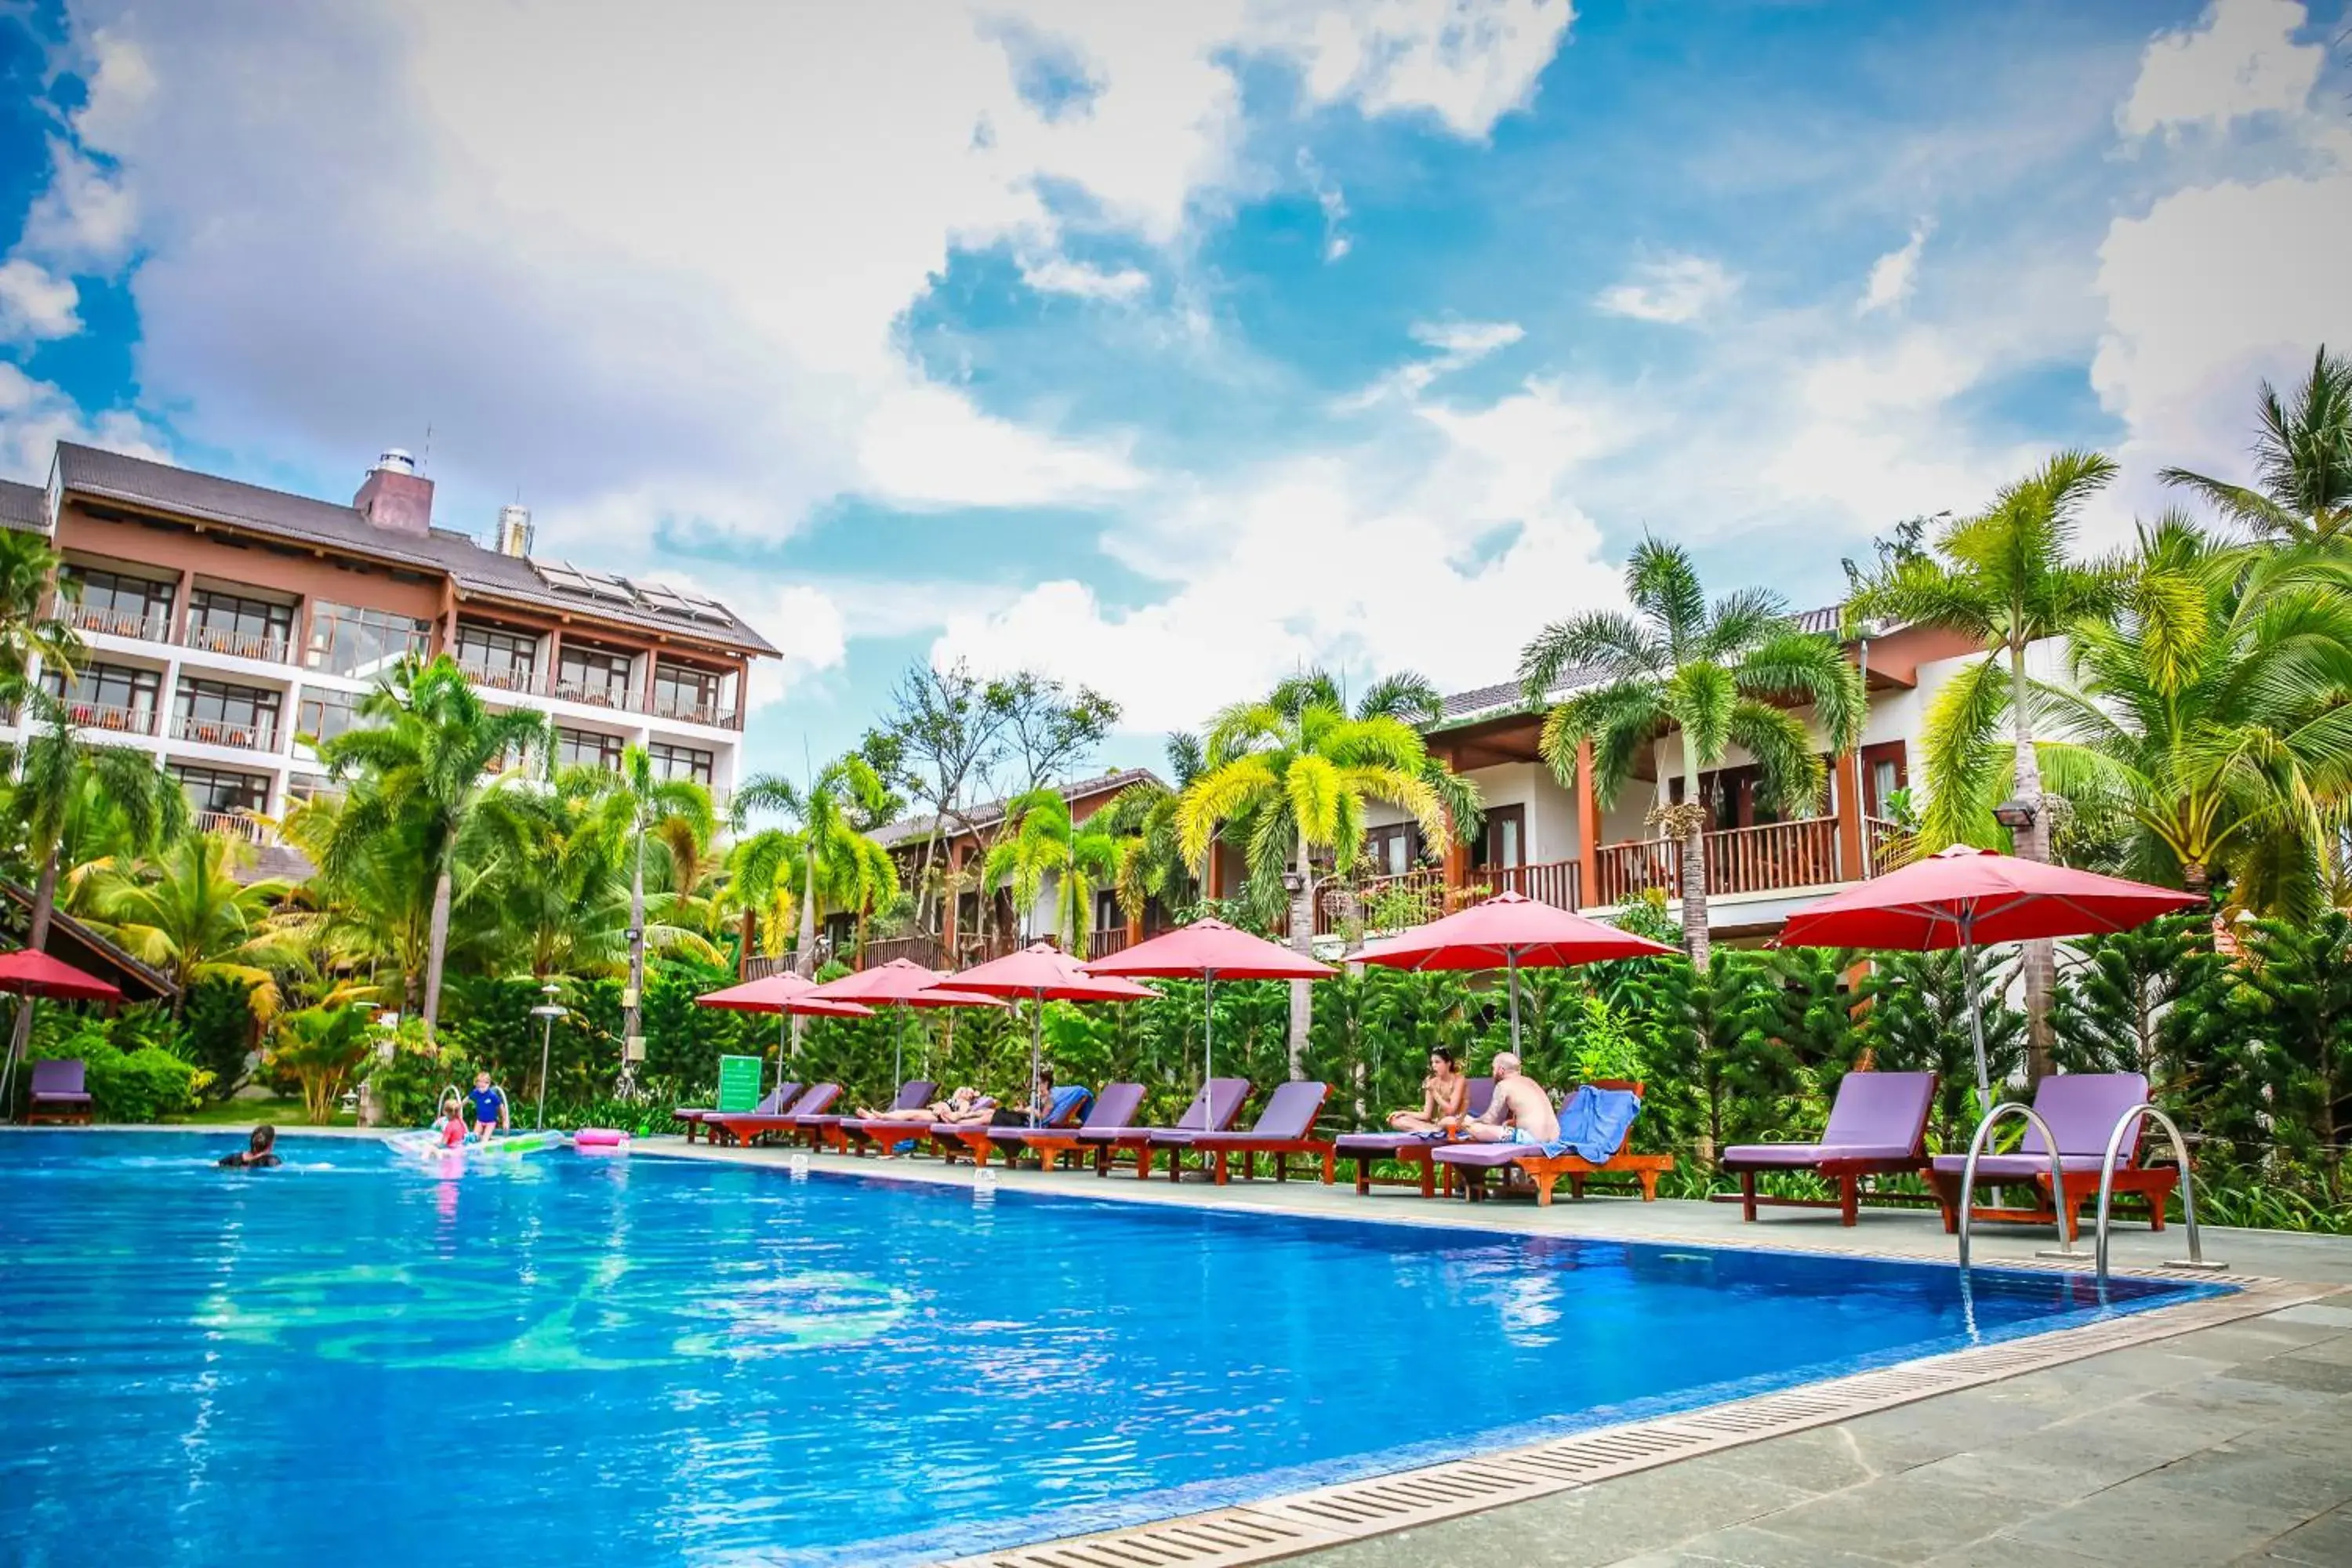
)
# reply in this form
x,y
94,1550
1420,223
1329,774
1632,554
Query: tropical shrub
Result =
x,y
324,1049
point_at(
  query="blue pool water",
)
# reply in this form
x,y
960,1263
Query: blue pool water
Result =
x,y
356,1360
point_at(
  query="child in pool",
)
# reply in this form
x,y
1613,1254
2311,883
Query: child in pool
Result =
x,y
260,1152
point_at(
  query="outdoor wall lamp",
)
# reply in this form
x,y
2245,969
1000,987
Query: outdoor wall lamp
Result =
x,y
2014,814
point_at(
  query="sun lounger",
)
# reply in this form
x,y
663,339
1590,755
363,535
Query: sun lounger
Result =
x,y
2082,1110
1114,1109
1877,1127
747,1127
1408,1147
1070,1102
775,1100
842,1131
1214,1108
1287,1126
58,1092
1546,1164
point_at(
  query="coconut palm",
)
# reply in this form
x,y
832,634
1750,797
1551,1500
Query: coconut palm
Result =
x,y
186,915
2302,461
1142,820
2006,578
29,626
825,855
1046,841
2216,711
637,804
1720,674
1290,775
429,767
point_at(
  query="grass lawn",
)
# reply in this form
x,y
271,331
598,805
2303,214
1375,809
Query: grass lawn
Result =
x,y
246,1112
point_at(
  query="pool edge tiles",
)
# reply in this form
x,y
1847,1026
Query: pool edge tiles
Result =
x,y
1287,1525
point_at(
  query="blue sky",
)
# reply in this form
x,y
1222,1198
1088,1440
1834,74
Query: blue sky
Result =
x,y
1168,348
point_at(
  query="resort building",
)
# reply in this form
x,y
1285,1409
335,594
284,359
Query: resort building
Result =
x,y
228,625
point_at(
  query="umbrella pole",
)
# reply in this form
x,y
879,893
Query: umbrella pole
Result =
x,y
1208,1027
8,1070
1511,962
784,1032
1036,1056
898,1046
1976,1012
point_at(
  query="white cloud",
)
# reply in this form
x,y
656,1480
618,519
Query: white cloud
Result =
x,y
1468,62
85,218
926,446
1444,565
35,415
1895,274
1334,203
2239,61
35,306
1456,344
1059,274
1676,290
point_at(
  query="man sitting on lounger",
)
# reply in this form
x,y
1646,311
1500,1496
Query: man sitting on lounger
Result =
x,y
1443,1093
967,1106
1522,1112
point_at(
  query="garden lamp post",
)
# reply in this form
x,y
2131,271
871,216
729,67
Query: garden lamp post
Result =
x,y
547,1011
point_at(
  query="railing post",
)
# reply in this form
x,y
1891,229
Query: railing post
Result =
x,y
1852,865
2196,1259
1588,830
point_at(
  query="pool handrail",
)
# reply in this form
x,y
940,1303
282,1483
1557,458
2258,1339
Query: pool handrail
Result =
x,y
2124,1123
2057,1173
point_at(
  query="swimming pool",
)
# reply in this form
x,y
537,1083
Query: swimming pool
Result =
x,y
355,1360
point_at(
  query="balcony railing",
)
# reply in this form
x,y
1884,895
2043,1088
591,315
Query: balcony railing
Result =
x,y
153,627
1553,882
257,736
236,824
687,710
1772,857
270,647
596,693
496,678
109,717
1885,840
1381,903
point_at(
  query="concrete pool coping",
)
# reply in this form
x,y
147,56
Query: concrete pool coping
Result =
x,y
2293,1271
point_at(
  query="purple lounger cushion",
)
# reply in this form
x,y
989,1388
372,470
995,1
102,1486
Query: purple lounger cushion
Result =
x,y
59,1082
914,1092
1877,1116
1113,1110
2081,1108
1219,1101
1289,1115
1485,1156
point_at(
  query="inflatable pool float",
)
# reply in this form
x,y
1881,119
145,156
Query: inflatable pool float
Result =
x,y
601,1140
426,1145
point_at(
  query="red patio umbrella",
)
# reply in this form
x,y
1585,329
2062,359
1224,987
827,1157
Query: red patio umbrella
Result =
x,y
900,983
782,994
1210,950
1507,931
1044,972
1962,896
29,973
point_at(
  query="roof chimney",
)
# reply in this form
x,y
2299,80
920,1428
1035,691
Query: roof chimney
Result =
x,y
514,531
395,496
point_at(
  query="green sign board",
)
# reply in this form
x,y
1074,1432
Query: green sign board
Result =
x,y
738,1082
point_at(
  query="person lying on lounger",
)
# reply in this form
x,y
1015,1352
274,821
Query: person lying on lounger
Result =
x,y
966,1107
1521,1112
1443,1093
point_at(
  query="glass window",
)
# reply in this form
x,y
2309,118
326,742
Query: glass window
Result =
x,y
238,624
363,644
497,657
679,763
585,748
109,696
223,715
125,605
216,791
1393,850
682,692
324,714
586,674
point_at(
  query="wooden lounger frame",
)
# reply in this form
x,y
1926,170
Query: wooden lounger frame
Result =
x,y
2153,1183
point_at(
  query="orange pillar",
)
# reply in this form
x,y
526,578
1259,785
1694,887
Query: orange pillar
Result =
x,y
1216,867
1588,829
1851,864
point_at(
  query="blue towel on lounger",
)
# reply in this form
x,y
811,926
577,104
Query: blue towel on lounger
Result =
x,y
1593,1124
1070,1102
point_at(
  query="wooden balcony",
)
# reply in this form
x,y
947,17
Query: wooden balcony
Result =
x,y
257,736
1553,882
270,647
108,717
1380,903
1776,857
714,714
154,627
236,824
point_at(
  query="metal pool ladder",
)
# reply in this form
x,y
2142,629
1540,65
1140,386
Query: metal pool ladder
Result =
x,y
2065,1248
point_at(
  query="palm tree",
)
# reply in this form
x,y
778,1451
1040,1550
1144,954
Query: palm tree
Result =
x,y
2216,711
827,852
427,763
30,628
2301,492
57,773
2007,579
187,915
1718,673
1292,774
637,805
1142,819
1045,840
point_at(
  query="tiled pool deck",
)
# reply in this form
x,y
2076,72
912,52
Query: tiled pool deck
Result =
x,y
2222,1444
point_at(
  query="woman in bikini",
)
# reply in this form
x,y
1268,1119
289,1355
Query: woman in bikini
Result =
x,y
1443,1093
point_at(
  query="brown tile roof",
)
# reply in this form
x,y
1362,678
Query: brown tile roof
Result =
x,y
183,492
915,828
23,507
